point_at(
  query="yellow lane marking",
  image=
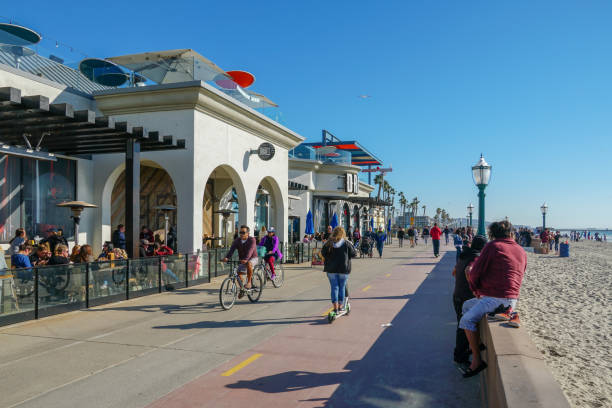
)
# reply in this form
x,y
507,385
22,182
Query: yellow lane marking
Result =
x,y
387,275
366,288
241,365
328,310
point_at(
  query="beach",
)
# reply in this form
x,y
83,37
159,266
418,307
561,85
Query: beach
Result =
x,y
564,307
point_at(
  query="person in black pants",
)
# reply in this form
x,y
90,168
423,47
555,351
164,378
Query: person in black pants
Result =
x,y
462,293
400,237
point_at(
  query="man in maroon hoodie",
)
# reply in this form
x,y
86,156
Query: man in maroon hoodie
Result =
x,y
495,278
247,254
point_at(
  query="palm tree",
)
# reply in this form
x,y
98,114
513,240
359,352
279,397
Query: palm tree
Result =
x,y
424,207
415,206
403,203
378,179
438,212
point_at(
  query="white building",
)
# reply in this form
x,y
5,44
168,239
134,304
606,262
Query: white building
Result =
x,y
211,165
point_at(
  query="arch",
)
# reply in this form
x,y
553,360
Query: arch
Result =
x,y
223,190
346,217
150,172
275,215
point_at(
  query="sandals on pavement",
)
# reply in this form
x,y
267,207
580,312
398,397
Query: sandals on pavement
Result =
x,y
471,373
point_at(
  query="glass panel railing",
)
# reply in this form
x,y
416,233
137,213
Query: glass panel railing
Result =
x,y
16,291
144,274
107,279
198,267
173,270
61,285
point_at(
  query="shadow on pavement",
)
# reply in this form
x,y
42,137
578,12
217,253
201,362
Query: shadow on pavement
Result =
x,y
409,365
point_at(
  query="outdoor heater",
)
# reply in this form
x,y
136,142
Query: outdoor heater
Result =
x,y
77,208
225,213
166,209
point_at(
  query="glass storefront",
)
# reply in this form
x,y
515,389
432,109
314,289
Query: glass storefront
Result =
x,y
29,193
321,215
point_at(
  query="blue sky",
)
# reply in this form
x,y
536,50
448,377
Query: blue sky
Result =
x,y
529,84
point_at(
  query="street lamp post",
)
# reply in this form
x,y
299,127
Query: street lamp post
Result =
x,y
470,209
482,173
544,209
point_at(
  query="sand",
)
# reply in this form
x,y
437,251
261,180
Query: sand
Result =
x,y
564,306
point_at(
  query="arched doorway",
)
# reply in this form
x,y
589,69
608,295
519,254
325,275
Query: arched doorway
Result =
x,y
221,207
346,217
156,189
356,219
269,207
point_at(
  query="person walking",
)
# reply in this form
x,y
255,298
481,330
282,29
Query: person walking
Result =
x,y
446,232
463,293
425,234
400,237
435,234
381,237
458,242
337,253
411,236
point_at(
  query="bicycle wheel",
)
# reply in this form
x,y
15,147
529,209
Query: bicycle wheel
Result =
x,y
60,279
279,277
228,293
258,285
118,276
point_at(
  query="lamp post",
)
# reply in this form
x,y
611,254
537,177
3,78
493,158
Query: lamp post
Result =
x,y
470,209
544,209
76,207
481,172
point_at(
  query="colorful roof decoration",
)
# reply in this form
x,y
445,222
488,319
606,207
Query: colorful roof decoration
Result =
x,y
360,156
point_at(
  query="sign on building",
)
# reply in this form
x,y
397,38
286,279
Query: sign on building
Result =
x,y
349,183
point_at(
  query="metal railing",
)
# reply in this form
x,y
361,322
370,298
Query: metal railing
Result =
x,y
30,293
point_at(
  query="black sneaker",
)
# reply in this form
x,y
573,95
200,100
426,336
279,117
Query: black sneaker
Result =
x,y
499,309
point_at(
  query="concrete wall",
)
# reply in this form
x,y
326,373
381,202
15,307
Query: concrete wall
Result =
x,y
517,375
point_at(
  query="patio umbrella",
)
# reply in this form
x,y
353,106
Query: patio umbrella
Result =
x,y
334,221
309,224
389,225
372,223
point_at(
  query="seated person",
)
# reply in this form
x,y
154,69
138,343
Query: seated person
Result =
x,y
107,252
60,255
495,278
247,254
21,259
273,253
42,255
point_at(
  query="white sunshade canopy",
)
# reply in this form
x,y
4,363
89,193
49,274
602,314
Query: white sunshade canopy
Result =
x,y
171,66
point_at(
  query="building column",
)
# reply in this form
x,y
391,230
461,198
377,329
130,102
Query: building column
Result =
x,y
132,197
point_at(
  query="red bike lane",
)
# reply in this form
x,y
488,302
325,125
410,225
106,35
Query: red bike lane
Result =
x,y
359,360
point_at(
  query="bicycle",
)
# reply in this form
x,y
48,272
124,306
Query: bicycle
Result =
x,y
264,269
228,292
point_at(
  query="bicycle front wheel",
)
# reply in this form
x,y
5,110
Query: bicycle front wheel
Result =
x,y
257,287
228,293
279,277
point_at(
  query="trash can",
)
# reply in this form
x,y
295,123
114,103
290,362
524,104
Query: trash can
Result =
x,y
564,250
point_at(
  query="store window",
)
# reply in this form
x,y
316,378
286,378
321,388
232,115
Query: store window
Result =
x,y
29,193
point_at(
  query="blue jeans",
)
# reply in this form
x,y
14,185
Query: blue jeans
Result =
x,y
474,310
338,286
436,246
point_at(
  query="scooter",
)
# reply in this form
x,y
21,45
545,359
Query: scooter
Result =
x,y
332,315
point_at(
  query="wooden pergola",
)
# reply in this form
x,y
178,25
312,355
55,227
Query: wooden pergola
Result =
x,y
32,127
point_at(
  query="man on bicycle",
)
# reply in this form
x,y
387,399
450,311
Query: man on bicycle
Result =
x,y
247,254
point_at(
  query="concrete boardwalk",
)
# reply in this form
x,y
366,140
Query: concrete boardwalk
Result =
x,y
181,350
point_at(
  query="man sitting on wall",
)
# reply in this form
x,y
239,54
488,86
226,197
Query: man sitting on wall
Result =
x,y
495,278
247,254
